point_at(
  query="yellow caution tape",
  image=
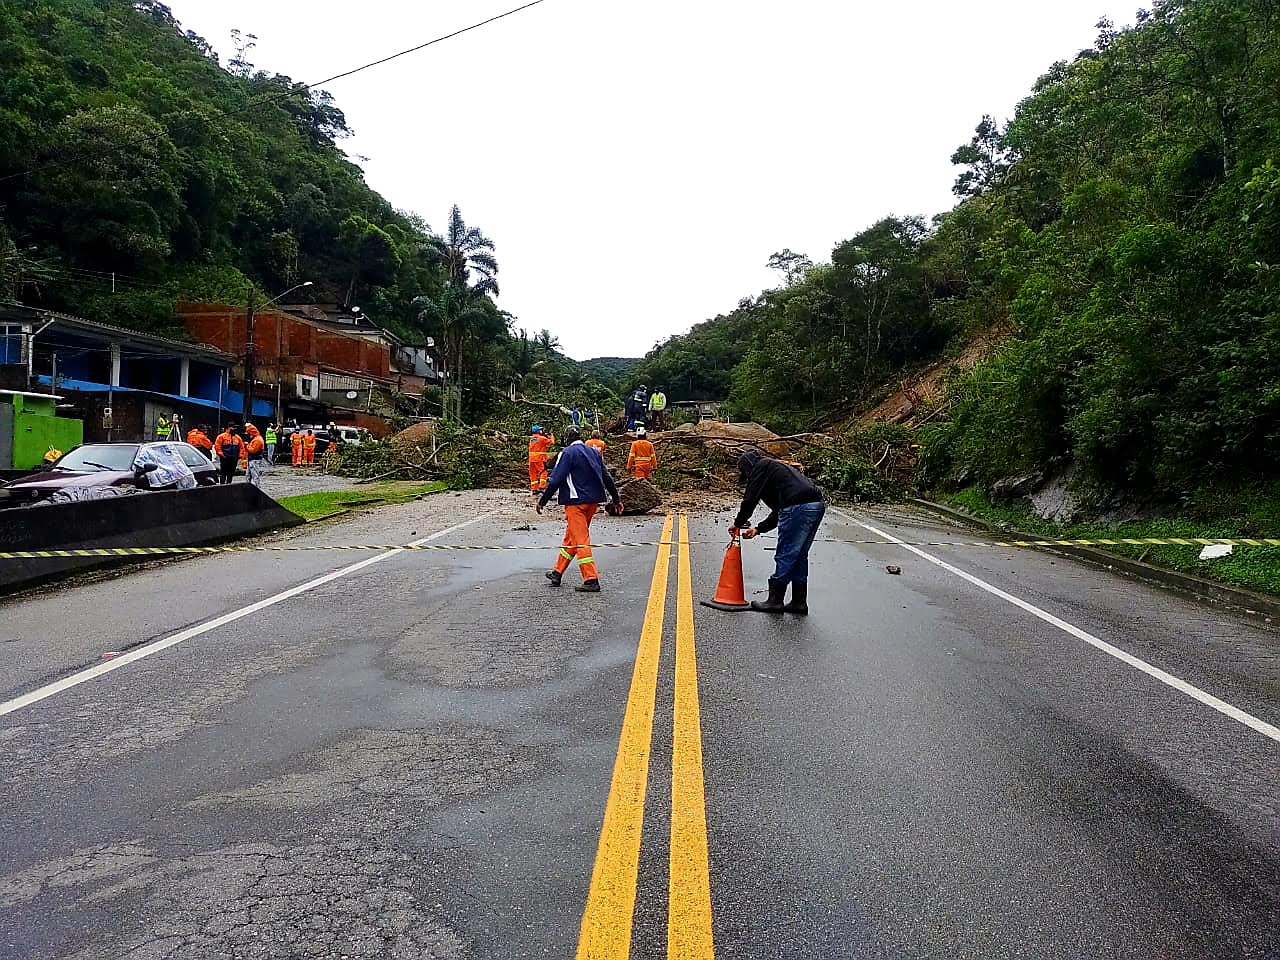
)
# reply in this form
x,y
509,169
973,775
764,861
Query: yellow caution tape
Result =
x,y
382,548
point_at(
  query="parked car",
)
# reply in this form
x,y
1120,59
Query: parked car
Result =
x,y
352,435
103,465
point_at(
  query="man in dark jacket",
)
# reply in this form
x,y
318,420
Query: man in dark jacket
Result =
x,y
582,482
797,508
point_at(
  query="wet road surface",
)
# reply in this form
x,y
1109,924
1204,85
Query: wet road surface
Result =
x,y
435,754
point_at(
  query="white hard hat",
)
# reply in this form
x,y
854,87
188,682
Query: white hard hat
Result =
x,y
639,431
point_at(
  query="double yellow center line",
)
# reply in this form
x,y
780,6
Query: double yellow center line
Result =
x,y
607,920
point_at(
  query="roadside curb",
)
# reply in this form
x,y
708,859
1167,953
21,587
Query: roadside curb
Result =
x,y
1256,604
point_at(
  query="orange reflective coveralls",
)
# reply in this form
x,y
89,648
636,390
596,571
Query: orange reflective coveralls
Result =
x,y
223,438
295,443
309,447
539,449
642,460
196,437
598,445
577,540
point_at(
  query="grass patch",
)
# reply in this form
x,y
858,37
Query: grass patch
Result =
x,y
1254,512
313,506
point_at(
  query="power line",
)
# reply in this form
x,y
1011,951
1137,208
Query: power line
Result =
x,y
423,46
267,97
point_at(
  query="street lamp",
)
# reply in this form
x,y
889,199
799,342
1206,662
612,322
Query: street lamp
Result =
x,y
305,283
249,371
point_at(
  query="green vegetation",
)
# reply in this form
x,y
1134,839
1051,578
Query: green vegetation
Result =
x,y
1250,512
315,506
136,170
613,372
1123,229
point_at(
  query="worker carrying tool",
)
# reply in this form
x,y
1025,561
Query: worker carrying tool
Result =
x,y
642,459
582,482
540,443
595,443
797,509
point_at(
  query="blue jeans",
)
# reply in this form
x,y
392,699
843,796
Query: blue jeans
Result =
x,y
797,527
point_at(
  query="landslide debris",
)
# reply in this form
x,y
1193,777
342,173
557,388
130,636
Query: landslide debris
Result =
x,y
697,462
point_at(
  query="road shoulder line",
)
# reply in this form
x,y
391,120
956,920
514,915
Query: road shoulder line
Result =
x,y
92,673
1226,709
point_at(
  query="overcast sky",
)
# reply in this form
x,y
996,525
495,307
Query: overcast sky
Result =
x,y
637,162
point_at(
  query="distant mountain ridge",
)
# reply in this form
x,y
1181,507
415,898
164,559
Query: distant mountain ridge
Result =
x,y
612,371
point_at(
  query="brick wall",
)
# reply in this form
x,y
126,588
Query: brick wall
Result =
x,y
274,334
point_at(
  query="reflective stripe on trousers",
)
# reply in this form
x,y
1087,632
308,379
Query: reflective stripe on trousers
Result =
x,y
578,530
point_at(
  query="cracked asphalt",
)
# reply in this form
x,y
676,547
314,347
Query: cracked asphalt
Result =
x,y
413,759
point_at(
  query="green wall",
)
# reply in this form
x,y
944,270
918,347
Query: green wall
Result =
x,y
35,430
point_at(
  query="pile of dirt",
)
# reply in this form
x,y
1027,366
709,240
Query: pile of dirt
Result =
x,y
419,433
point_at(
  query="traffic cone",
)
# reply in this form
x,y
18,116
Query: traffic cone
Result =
x,y
730,593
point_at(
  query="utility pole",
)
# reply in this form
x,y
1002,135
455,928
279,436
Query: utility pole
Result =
x,y
249,371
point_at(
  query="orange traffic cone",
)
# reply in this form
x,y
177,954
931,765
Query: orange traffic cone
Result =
x,y
730,593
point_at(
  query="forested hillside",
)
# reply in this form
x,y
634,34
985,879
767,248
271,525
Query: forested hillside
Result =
x,y
135,169
1125,225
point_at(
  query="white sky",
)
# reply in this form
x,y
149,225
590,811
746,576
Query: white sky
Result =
x,y
637,162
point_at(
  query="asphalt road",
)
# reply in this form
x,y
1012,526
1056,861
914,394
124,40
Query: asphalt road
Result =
x,y
435,754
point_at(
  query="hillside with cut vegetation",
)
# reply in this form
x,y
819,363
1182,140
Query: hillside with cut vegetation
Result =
x,y
1121,232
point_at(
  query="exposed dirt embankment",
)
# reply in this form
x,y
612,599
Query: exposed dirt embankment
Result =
x,y
921,397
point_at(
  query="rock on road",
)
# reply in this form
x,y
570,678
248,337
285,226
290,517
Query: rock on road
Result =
x,y
434,754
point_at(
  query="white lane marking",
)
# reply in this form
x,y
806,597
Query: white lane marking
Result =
x,y
1208,699
92,673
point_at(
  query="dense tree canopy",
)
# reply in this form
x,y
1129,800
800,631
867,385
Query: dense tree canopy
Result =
x,y
127,149
1124,225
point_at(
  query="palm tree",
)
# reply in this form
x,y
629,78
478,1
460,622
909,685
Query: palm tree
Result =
x,y
463,252
547,343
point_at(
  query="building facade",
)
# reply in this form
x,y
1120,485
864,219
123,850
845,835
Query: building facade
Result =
x,y
119,382
310,366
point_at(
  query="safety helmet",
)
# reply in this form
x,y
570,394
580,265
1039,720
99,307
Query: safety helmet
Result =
x,y
537,428
639,431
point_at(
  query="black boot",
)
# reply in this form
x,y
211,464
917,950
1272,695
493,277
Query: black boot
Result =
x,y
589,586
554,576
799,604
777,590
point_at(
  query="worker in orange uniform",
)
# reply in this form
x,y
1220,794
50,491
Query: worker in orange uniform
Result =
x,y
255,450
540,443
309,447
582,483
227,446
643,459
295,445
200,440
596,444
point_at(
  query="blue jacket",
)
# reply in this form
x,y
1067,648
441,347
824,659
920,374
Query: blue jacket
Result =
x,y
580,477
